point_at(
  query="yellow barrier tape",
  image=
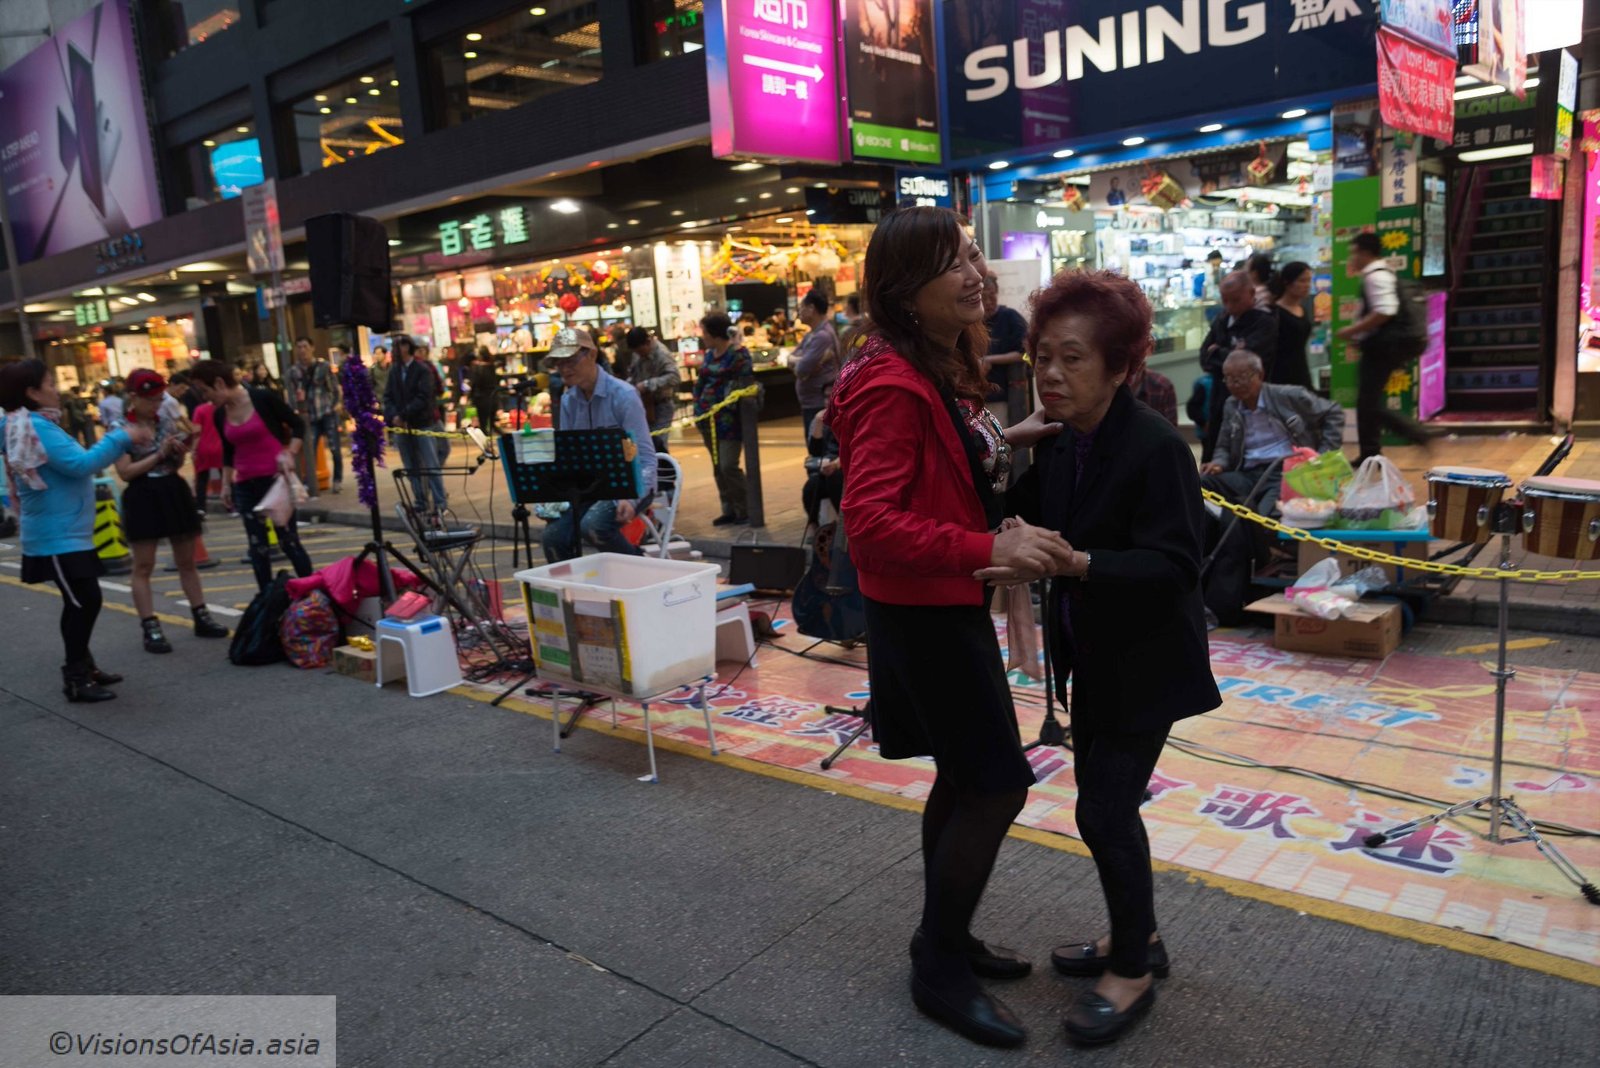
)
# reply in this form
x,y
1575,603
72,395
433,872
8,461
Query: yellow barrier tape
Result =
x,y
1360,552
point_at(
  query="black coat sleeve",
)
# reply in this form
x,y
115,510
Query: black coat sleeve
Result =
x,y
1025,498
1165,543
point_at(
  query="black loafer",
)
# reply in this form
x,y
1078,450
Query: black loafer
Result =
x,y
1094,1021
988,962
973,1014
1082,960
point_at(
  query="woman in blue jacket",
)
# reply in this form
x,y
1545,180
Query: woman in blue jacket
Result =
x,y
52,478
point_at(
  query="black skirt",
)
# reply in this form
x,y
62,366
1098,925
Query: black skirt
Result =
x,y
939,689
85,563
155,508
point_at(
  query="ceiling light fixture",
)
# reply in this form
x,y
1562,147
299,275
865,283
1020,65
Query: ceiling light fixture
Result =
x,y
132,302
633,222
469,55
741,200
1478,155
394,82
1294,113
747,166
676,213
321,98
784,220
374,92
1065,153
349,100
367,79
326,110
792,189
244,129
1481,90
1211,127
209,143
565,206
536,11
999,165
612,226
148,298
766,196
474,36
1132,142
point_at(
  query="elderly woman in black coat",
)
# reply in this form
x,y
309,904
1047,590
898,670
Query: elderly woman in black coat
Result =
x,y
1125,619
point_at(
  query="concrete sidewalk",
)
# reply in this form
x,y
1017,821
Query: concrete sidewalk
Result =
x,y
474,899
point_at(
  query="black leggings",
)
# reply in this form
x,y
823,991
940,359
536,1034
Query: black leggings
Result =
x,y
962,830
1113,772
248,494
80,607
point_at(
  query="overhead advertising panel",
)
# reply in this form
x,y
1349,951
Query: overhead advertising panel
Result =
x,y
772,76
1021,73
1502,53
892,78
1427,22
75,155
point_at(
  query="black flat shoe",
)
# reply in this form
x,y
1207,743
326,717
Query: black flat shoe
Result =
x,y
988,962
1081,959
725,520
973,1014
1094,1021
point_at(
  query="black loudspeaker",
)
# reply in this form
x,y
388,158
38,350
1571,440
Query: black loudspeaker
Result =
x,y
349,257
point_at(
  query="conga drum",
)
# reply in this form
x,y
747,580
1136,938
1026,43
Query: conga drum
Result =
x,y
1561,517
1462,500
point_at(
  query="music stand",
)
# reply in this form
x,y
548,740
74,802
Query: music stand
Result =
x,y
578,467
1503,809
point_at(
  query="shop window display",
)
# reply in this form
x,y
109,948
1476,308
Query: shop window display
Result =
x,y
218,167
502,64
351,119
667,28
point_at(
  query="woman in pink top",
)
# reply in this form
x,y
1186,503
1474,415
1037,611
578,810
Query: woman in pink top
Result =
x,y
261,438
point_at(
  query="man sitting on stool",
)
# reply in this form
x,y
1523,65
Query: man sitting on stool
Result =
x,y
1261,424
593,398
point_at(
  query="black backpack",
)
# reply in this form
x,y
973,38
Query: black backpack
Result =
x,y
1406,335
255,640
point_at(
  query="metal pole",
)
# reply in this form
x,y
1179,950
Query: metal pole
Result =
x,y
752,462
15,271
1501,677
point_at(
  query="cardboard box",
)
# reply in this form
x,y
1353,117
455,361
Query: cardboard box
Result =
x,y
359,664
1371,630
1309,554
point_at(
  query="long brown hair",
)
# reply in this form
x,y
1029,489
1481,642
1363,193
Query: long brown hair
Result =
x,y
910,248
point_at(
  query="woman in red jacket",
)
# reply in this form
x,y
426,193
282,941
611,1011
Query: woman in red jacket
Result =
x,y
925,471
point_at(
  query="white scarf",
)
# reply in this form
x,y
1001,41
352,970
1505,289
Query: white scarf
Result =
x,y
24,451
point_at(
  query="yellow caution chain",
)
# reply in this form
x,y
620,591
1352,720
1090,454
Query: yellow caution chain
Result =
x,y
1360,552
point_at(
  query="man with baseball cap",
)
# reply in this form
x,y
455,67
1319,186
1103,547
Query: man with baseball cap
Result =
x,y
594,398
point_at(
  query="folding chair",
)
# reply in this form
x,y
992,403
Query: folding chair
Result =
x,y
662,514
444,550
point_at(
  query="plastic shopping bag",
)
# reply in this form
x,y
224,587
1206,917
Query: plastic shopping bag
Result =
x,y
278,504
1321,478
1296,458
1378,498
1313,592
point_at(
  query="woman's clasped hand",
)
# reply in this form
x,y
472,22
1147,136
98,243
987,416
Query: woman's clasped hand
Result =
x,y
1025,553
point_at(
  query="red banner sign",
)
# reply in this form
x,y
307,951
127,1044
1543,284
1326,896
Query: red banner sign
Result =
x,y
1416,87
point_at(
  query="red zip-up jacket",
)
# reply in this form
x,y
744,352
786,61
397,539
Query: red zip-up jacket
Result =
x,y
916,527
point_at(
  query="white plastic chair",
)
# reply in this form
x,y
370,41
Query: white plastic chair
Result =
x,y
663,511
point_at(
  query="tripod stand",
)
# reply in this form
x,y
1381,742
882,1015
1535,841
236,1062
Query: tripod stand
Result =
x,y
1502,809
855,735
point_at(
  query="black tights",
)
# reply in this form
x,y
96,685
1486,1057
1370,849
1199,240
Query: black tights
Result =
x,y
962,830
80,607
1113,772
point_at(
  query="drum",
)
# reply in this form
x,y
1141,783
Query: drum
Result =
x,y
1461,502
1562,517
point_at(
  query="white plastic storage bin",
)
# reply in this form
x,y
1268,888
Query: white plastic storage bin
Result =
x,y
633,624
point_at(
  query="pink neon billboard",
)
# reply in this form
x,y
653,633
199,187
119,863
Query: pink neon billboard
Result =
x,y
772,73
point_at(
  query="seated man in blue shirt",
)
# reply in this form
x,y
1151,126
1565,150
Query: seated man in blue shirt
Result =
x,y
593,398
1261,424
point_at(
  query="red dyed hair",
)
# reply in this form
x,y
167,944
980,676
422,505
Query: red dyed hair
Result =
x,y
1116,305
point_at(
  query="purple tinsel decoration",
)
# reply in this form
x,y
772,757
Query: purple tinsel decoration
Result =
x,y
366,444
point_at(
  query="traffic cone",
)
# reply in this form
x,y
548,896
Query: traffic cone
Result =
x,y
109,542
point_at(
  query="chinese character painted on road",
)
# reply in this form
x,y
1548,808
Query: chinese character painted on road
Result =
x,y
513,225
834,727
1244,810
1161,784
1046,761
450,242
1434,848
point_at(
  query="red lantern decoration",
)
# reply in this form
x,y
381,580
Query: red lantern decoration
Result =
x,y
570,303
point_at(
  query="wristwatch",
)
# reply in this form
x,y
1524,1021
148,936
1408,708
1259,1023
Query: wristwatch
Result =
x,y
1086,562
